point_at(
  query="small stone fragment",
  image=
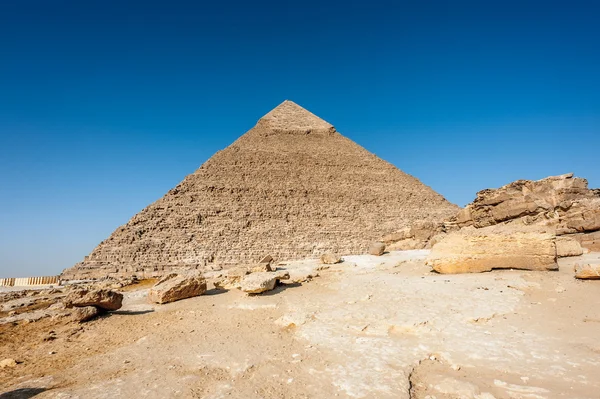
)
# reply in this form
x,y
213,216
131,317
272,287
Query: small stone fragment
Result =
x,y
85,313
330,259
257,283
377,249
10,363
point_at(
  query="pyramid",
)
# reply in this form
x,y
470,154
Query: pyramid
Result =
x,y
292,187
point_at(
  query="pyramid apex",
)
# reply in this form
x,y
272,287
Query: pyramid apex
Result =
x,y
289,117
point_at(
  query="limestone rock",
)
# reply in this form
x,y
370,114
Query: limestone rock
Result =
x,y
377,249
101,298
85,313
292,184
231,278
256,283
479,250
567,246
263,267
8,363
175,287
330,259
587,271
564,202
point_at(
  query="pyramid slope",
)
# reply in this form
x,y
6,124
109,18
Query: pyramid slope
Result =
x,y
295,188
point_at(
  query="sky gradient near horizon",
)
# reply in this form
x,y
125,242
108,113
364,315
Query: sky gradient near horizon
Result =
x,y
106,105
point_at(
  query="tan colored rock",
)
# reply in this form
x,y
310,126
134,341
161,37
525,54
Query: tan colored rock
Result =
x,y
84,314
377,249
587,271
8,363
175,287
479,250
100,298
292,184
231,278
564,202
567,246
263,267
256,283
330,259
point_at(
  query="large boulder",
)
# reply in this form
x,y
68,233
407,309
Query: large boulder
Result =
x,y
587,271
256,283
101,298
567,246
473,250
174,287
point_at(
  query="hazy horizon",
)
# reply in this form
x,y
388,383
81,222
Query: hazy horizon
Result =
x,y
106,106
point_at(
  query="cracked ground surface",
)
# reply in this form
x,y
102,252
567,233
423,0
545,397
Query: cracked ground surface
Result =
x,y
370,327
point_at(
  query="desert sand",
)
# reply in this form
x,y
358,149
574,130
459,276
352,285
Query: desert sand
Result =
x,y
369,327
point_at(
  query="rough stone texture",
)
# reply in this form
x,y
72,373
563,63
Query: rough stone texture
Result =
x,y
84,314
101,298
417,236
564,202
587,271
174,287
377,249
256,283
589,241
567,246
8,363
292,186
231,278
330,259
473,250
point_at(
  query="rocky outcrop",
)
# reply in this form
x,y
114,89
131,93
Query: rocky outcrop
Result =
x,y
587,271
330,259
564,202
100,298
377,249
292,186
473,250
174,287
257,283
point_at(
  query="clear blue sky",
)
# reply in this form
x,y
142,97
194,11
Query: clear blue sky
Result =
x,y
105,105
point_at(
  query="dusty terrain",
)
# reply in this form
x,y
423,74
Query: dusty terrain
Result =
x,y
370,327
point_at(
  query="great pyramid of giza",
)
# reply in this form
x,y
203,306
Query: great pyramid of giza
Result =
x,y
291,187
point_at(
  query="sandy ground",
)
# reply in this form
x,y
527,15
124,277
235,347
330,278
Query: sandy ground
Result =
x,y
370,327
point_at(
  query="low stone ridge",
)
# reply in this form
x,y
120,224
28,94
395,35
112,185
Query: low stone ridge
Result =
x,y
588,271
473,250
174,287
292,186
100,298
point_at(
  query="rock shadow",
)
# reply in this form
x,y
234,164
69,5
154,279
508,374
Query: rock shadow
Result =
x,y
22,393
215,291
131,312
280,288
